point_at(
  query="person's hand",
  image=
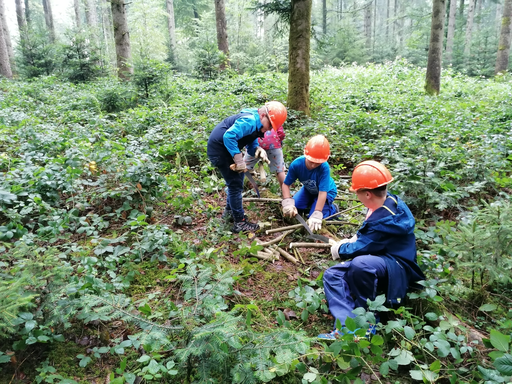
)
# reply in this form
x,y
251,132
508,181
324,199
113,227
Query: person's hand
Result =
x,y
335,247
289,209
353,239
262,154
239,165
315,220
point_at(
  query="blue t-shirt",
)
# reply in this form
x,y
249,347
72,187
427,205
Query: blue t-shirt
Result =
x,y
314,180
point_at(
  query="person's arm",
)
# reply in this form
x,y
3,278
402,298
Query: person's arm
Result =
x,y
370,243
320,202
243,126
280,133
285,189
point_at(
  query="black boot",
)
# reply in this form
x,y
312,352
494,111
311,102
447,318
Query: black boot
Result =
x,y
244,226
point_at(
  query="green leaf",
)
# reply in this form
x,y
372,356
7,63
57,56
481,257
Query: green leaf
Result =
x,y
504,364
377,340
29,325
431,316
500,341
310,377
350,324
488,307
435,366
248,318
409,332
384,369
304,315
405,357
416,375
83,363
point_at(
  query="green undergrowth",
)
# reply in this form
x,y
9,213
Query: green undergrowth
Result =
x,y
110,222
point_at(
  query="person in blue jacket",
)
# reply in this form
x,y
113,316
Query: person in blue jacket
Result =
x,y
380,258
318,191
224,150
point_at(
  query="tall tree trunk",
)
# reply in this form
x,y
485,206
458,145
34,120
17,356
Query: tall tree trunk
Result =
x,y
469,29
451,31
374,25
435,52
5,65
298,55
387,20
106,18
368,26
324,17
27,12
48,18
91,15
171,27
340,7
222,29
461,8
122,39
20,15
504,44
76,7
196,14
7,35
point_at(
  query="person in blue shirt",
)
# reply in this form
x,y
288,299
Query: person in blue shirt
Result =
x,y
318,189
380,258
224,149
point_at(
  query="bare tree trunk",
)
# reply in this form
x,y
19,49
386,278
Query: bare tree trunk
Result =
x,y
368,26
222,29
20,15
451,31
48,18
387,20
395,22
374,25
298,55
469,29
27,12
91,15
106,18
461,8
435,52
76,7
122,39
171,26
5,65
504,44
7,35
498,19
324,17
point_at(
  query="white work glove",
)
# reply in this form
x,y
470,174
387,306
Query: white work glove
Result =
x,y
289,209
353,239
262,154
335,247
315,220
239,165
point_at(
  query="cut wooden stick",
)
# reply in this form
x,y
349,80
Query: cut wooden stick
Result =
x,y
264,256
287,256
310,245
298,255
341,212
262,200
340,223
282,229
274,241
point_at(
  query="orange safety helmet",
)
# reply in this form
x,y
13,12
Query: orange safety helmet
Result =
x,y
370,174
317,149
276,113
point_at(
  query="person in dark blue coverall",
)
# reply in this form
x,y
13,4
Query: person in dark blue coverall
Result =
x,y
224,151
380,258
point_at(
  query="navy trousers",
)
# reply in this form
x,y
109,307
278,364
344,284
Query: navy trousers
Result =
x,y
305,200
347,285
235,184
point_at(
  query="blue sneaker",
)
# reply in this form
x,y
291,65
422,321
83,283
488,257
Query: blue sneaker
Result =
x,y
330,336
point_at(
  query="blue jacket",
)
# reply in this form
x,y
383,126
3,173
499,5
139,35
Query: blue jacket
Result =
x,y
389,233
233,133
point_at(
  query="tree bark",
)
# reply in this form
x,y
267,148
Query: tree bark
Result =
x,y
76,7
91,15
469,29
5,65
20,15
122,39
435,52
48,18
374,24
504,44
298,55
7,35
461,8
387,20
171,26
451,31
222,29
27,12
324,17
368,26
